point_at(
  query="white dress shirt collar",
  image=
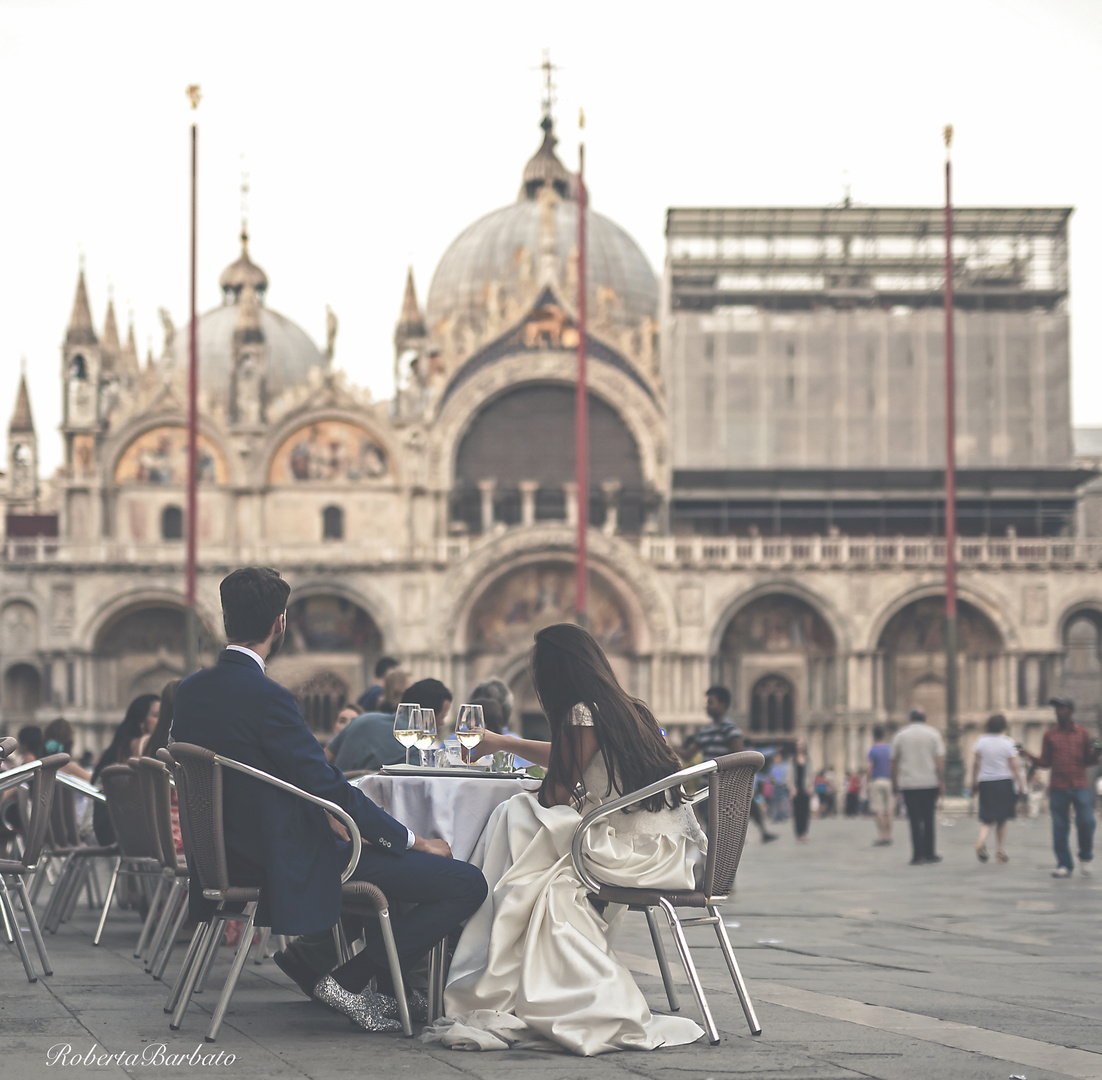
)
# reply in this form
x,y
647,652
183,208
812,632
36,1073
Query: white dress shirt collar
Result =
x,y
248,652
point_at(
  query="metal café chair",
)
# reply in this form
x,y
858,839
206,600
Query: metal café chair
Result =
x,y
729,792
41,777
199,778
157,794
8,746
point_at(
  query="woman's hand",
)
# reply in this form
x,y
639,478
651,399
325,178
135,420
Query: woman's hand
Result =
x,y
491,744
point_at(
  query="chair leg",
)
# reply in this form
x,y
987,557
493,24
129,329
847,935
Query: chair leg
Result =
x,y
190,958
20,944
663,960
163,917
395,972
211,954
690,969
438,959
736,974
158,969
107,900
189,975
32,925
72,894
239,959
91,886
8,925
262,945
51,917
340,943
152,919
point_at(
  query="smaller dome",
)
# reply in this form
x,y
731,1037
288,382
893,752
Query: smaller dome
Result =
x,y
241,274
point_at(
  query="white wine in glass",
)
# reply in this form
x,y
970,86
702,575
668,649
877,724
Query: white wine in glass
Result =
x,y
407,725
470,727
427,734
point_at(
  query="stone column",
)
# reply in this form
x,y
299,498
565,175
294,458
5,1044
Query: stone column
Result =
x,y
486,492
528,489
570,490
611,490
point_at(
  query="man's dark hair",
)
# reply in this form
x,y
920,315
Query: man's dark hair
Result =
x,y
429,694
492,715
996,724
385,664
31,737
878,733
252,599
720,693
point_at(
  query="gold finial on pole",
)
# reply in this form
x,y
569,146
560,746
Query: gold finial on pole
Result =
x,y
194,95
947,135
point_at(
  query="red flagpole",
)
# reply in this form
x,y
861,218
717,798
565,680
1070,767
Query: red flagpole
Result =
x,y
581,413
954,767
191,646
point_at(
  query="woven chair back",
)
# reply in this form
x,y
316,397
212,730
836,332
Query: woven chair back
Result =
x,y
731,790
135,831
199,801
39,806
63,829
157,796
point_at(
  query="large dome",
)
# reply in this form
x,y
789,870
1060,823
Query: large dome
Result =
x,y
498,258
290,352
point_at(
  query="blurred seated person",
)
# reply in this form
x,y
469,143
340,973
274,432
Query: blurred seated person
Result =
x,y
496,690
30,746
344,718
395,683
368,742
58,739
140,720
372,697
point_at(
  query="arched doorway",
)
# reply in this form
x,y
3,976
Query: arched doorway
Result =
x,y
504,619
140,649
778,652
327,657
1082,677
772,709
22,695
913,645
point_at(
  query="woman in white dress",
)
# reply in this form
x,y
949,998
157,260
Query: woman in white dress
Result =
x,y
534,966
996,779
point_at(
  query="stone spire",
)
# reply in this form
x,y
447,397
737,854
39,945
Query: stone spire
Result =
x,y
21,420
411,322
129,356
110,349
80,330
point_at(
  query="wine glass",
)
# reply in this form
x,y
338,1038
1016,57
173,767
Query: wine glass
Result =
x,y
407,725
470,727
427,735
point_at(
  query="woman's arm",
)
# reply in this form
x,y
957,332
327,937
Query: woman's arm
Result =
x,y
73,769
976,771
539,753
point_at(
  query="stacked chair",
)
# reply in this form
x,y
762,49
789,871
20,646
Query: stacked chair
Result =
x,y
41,777
729,793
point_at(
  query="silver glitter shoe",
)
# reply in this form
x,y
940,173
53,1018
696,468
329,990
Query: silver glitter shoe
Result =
x,y
365,1009
418,1006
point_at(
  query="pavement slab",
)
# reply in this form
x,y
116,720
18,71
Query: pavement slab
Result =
x,y
860,966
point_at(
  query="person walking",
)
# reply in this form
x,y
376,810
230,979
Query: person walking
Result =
x,y
881,796
918,771
996,778
1067,749
722,736
801,798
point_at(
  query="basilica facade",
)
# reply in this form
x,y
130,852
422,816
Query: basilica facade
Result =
x,y
439,526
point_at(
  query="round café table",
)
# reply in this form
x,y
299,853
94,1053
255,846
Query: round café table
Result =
x,y
445,805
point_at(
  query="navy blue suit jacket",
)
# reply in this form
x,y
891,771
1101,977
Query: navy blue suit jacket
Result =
x,y
274,838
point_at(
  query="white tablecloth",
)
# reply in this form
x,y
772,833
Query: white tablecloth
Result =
x,y
452,808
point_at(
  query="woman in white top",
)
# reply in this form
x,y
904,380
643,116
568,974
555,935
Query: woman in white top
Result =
x,y
997,777
534,967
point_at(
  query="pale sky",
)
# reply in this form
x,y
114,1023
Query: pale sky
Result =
x,y
373,133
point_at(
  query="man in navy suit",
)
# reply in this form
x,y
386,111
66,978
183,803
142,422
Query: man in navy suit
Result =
x,y
291,847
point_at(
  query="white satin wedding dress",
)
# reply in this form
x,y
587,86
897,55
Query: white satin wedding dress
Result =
x,y
534,968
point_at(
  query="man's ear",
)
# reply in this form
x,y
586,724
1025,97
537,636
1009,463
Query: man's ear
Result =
x,y
279,625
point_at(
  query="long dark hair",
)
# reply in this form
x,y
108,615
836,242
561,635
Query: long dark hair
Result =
x,y
158,740
129,730
568,667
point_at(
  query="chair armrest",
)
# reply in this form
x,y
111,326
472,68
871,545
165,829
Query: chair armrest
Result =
x,y
81,787
694,772
338,812
8,746
11,778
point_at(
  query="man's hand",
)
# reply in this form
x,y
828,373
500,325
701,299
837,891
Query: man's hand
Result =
x,y
432,847
337,827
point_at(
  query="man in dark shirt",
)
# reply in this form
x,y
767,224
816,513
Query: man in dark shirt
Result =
x,y
1067,749
369,700
721,737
